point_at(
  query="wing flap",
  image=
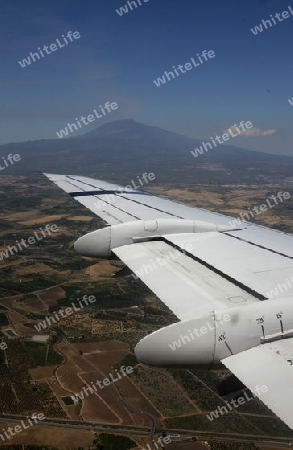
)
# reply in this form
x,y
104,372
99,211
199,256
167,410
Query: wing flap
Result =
x,y
270,365
186,286
254,266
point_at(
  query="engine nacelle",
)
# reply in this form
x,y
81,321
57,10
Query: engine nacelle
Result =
x,y
100,243
206,340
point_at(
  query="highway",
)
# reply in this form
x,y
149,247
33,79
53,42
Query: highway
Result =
x,y
177,435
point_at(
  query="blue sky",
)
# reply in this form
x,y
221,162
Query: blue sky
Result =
x,y
117,58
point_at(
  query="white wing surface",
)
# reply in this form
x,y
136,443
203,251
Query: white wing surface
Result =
x,y
199,273
117,205
256,260
271,366
184,284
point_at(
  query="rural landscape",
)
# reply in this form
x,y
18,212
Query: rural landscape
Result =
x,y
44,370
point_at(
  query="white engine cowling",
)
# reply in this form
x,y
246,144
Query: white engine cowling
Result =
x,y
100,243
207,340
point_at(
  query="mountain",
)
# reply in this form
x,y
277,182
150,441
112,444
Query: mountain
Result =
x,y
124,129
122,149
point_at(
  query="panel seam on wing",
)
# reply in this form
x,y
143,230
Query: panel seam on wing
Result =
x,y
214,269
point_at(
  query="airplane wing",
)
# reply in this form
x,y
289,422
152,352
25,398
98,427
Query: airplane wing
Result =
x,y
269,365
233,264
255,259
117,204
220,269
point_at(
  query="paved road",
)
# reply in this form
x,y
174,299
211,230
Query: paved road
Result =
x,y
178,435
